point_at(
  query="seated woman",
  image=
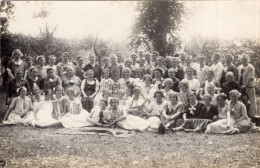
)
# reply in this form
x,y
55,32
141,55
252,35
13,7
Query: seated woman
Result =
x,y
126,82
155,110
209,111
171,116
96,116
16,63
42,69
58,102
89,89
36,97
115,89
114,115
167,90
74,116
148,88
33,79
209,79
139,80
120,95
230,84
20,109
43,114
135,108
51,81
210,89
175,80
70,80
105,95
193,122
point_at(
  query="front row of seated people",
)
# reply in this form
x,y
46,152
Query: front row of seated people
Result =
x,y
137,113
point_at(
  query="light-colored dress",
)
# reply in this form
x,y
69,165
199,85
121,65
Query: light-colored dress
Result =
x,y
44,114
155,109
249,72
201,73
133,122
167,93
20,108
194,84
123,85
148,92
218,70
75,116
58,106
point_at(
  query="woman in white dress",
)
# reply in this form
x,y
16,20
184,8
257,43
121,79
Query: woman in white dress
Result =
x,y
148,88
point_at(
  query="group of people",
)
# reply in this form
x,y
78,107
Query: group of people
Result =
x,y
143,92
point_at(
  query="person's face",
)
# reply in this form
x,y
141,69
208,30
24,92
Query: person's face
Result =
x,y
106,74
147,58
48,96
90,75
51,60
221,101
189,73
158,97
229,78
59,91
182,58
69,72
113,60
168,85
133,58
159,61
91,58
188,60
105,94
211,90
70,94
215,58
41,61
206,100
18,75
191,97
36,91
136,93
233,97
228,59
120,95
34,73
201,60
50,73
65,57
29,62
157,74
147,81
115,87
114,104
23,93
174,62
210,76
141,63
128,63
154,57
141,73
244,60
168,62
171,74
80,61
105,61
126,74
141,53
103,105
16,56
172,98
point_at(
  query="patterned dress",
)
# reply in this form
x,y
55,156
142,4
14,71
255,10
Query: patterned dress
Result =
x,y
89,90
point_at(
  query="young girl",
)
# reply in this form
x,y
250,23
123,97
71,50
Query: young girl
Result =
x,y
96,117
58,102
74,116
43,114
89,89
20,109
114,114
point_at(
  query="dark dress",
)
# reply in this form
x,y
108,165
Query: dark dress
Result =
x,y
89,89
231,68
228,86
13,85
97,70
51,83
13,67
205,114
79,72
175,86
38,82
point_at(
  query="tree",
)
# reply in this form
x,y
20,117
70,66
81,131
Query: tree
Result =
x,y
158,21
6,11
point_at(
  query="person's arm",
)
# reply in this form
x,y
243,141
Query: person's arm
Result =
x,y
82,88
11,107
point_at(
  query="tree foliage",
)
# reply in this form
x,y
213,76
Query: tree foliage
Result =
x,y
156,25
6,11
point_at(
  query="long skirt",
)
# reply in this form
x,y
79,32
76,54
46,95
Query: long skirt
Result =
x,y
252,108
196,123
14,118
87,103
76,121
154,122
220,127
134,123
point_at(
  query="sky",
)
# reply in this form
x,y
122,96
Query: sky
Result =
x,y
112,21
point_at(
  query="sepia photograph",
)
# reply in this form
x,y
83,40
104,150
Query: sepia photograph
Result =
x,y
125,84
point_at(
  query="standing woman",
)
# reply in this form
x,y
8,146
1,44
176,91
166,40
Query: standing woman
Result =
x,y
158,78
79,67
70,80
20,108
51,61
248,76
202,69
89,89
178,71
175,81
161,65
29,66
128,64
16,63
193,82
217,67
94,67
42,69
34,79
115,69
229,67
61,66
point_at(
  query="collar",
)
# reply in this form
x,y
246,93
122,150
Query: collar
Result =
x,y
17,62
